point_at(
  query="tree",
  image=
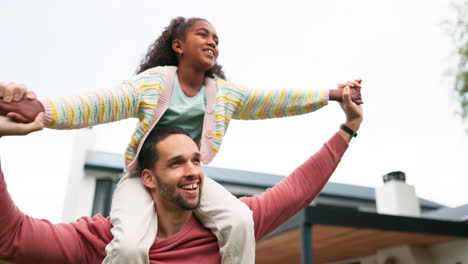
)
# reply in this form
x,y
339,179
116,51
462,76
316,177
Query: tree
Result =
x,y
459,31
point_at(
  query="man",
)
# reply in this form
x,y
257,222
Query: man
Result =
x,y
171,171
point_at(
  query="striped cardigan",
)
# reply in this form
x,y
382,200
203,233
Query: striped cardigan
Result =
x,y
147,95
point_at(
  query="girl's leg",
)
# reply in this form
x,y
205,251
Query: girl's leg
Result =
x,y
230,220
134,221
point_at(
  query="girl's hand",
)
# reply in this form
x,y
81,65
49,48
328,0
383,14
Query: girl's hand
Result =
x,y
19,104
355,92
24,111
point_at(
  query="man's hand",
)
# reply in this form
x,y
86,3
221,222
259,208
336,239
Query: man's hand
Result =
x,y
15,92
10,128
354,113
19,104
355,92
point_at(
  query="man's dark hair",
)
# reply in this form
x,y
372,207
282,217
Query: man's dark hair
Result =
x,y
149,155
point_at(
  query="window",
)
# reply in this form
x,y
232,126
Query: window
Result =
x,y
103,196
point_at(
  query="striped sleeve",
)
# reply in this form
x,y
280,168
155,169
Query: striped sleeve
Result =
x,y
132,98
263,104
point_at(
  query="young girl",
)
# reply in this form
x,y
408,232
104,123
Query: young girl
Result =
x,y
178,84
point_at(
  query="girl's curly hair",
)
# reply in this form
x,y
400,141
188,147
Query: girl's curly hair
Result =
x,y
160,53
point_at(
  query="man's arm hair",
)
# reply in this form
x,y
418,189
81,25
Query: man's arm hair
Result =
x,y
295,192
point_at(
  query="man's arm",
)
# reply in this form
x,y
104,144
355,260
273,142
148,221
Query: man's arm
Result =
x,y
24,239
295,192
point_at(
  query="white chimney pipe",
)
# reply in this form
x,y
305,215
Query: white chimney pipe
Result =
x,y
396,197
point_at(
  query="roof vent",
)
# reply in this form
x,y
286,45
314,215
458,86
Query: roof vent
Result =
x,y
394,175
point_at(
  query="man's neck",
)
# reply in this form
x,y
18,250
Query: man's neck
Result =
x,y
171,221
190,80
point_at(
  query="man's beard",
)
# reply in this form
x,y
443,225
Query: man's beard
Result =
x,y
172,194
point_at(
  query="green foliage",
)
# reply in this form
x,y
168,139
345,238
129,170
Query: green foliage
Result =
x,y
459,32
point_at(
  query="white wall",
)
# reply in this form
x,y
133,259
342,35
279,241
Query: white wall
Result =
x,y
45,175
79,193
36,169
455,252
405,254
364,260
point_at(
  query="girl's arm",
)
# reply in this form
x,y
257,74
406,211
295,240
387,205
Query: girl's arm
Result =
x,y
96,107
129,99
263,104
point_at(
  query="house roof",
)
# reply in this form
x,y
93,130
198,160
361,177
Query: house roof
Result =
x,y
114,162
331,189
447,213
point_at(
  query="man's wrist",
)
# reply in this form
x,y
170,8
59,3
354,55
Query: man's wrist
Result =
x,y
348,130
353,125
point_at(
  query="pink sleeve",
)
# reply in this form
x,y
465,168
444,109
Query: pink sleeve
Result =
x,y
295,192
24,239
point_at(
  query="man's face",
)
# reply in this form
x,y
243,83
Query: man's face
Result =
x,y
178,172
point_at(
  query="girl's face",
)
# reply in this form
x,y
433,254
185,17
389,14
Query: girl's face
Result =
x,y
200,46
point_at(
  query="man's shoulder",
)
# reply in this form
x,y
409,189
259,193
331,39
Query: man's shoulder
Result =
x,y
97,227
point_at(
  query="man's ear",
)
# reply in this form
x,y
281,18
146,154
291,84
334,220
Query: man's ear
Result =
x,y
149,179
177,46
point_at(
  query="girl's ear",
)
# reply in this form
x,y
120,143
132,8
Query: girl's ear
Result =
x,y
177,46
149,179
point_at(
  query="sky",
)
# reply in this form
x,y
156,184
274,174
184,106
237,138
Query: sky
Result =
x,y
399,48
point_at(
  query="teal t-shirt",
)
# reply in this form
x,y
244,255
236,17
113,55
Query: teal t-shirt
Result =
x,y
185,112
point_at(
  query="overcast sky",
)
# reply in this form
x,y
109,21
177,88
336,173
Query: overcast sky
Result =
x,y
398,48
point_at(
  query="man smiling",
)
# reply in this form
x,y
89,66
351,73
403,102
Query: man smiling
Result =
x,y
180,171
171,171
